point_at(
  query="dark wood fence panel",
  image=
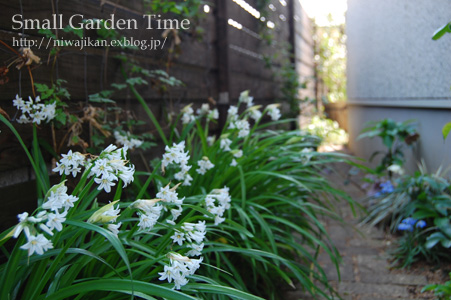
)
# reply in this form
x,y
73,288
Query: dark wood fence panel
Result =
x,y
224,62
305,50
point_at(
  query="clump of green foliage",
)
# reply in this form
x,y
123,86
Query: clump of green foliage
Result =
x,y
265,238
331,60
328,131
442,291
422,197
395,136
268,235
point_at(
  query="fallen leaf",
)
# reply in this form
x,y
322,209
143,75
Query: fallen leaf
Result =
x,y
4,114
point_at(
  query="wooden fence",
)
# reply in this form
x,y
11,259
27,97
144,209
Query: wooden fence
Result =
x,y
228,57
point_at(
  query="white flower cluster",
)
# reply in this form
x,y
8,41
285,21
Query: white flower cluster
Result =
x,y
188,114
274,112
243,127
211,140
223,199
236,154
58,199
255,114
114,228
306,155
110,166
56,206
245,98
149,212
232,113
169,196
176,155
204,165
396,169
107,215
225,144
213,115
70,163
180,267
307,150
194,234
127,140
204,110
33,111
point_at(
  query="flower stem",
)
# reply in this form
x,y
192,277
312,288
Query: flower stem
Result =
x,y
146,109
33,163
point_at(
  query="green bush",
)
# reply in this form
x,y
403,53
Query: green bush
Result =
x,y
395,137
232,216
328,131
442,291
424,198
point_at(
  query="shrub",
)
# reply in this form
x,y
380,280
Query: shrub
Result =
x,y
417,205
395,137
442,291
328,131
229,216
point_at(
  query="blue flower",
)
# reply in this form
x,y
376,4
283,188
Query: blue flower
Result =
x,y
409,221
421,224
386,187
404,226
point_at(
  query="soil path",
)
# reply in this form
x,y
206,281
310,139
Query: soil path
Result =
x,y
365,268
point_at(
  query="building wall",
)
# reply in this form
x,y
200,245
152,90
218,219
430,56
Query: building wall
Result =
x,y
395,70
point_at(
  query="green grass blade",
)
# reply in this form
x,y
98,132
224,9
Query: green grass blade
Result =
x,y
115,242
223,290
146,109
33,163
119,286
243,187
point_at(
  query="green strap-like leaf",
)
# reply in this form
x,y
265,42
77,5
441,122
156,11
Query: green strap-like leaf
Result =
x,y
33,163
115,242
441,31
222,290
446,129
120,286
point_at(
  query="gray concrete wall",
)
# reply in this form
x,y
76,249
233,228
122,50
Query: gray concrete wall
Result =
x,y
395,70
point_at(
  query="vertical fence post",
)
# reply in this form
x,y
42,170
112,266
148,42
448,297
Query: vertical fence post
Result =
x,y
292,32
222,52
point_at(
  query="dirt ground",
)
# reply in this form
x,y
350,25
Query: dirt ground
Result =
x,y
366,268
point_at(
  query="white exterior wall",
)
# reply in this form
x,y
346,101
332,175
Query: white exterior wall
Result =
x,y
395,70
